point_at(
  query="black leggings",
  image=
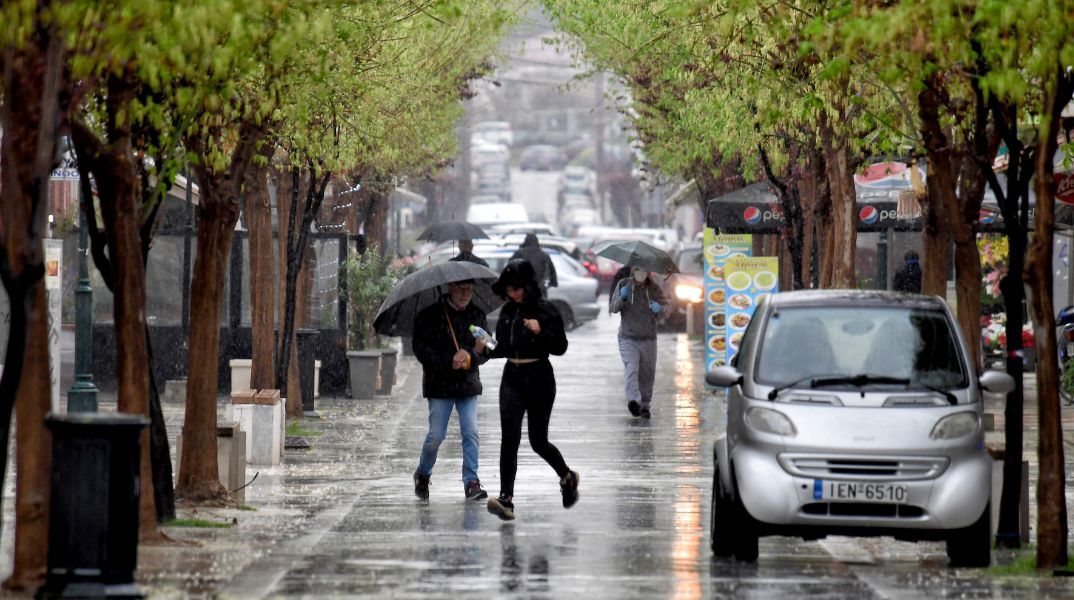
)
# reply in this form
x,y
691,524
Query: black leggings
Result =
x,y
526,388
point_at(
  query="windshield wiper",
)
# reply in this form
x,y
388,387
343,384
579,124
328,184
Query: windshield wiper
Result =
x,y
951,399
811,380
859,380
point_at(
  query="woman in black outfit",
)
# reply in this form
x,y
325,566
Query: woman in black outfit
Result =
x,y
529,329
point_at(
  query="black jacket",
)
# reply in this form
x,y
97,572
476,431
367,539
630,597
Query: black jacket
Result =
x,y
515,341
531,252
908,278
469,257
435,349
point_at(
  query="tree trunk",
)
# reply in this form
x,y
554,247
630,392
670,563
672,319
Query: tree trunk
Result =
x,y
262,280
30,116
160,452
1051,484
217,214
33,460
287,195
807,193
844,234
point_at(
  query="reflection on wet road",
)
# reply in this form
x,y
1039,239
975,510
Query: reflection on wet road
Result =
x,y
640,529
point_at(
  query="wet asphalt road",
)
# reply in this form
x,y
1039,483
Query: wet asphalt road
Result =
x,y
639,530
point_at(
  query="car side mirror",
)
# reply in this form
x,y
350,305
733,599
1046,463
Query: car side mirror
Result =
x,y
996,382
724,376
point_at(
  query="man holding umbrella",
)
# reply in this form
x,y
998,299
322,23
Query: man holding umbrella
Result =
x,y
449,357
466,252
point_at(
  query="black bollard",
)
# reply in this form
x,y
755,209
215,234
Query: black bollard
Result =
x,y
93,511
306,340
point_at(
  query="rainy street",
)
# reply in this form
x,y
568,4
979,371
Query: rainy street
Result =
x,y
341,519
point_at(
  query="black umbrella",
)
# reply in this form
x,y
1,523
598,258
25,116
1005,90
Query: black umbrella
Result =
x,y
636,253
423,287
452,230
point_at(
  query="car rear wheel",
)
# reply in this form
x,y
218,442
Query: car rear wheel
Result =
x,y
567,314
971,546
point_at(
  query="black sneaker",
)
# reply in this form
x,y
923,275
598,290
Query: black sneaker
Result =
x,y
634,407
502,507
645,414
421,485
474,491
569,488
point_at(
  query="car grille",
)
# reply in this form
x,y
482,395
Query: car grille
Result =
x,y
851,509
887,468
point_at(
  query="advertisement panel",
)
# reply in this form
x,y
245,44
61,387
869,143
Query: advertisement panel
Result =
x,y
718,249
747,280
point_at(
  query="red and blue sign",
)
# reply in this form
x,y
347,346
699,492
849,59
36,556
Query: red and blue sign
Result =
x,y
752,215
869,215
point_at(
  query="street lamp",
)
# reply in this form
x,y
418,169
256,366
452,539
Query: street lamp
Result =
x,y
82,395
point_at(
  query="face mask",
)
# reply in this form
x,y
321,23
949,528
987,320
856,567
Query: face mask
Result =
x,y
640,276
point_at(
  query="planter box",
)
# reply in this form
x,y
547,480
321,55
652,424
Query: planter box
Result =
x,y
262,416
387,371
231,443
240,373
316,379
364,369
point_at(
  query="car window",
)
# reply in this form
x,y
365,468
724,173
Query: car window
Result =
x,y
690,261
566,264
904,343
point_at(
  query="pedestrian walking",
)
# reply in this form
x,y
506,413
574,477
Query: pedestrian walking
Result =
x,y
529,330
545,271
449,357
466,252
638,300
908,278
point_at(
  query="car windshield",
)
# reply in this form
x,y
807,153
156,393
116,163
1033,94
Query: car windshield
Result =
x,y
894,342
690,261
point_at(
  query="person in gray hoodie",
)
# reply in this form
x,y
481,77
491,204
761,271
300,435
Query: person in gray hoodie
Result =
x,y
638,300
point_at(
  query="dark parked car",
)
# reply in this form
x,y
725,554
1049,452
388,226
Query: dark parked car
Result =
x,y
542,157
685,288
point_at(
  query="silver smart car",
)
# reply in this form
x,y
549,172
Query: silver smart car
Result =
x,y
853,413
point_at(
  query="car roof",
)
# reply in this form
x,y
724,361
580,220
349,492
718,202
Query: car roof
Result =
x,y
874,298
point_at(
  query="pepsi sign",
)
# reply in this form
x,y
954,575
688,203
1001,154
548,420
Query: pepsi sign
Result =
x,y
752,215
869,215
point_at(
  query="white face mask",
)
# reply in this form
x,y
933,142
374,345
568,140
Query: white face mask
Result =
x,y
640,276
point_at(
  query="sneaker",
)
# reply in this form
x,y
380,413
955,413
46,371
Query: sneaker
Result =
x,y
474,491
645,414
634,407
421,485
569,488
502,507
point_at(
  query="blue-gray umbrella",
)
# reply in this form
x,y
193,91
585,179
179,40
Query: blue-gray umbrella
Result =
x,y
423,287
636,253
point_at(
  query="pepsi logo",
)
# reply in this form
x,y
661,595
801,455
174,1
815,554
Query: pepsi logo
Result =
x,y
752,215
869,215
985,217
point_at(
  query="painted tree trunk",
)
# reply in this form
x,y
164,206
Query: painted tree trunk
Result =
x,y
1051,484
262,280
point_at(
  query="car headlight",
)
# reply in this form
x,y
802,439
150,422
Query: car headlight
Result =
x,y
770,421
688,293
956,426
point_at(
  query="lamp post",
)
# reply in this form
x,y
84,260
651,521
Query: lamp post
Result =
x,y
82,395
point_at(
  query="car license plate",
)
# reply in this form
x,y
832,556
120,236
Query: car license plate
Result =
x,y
859,491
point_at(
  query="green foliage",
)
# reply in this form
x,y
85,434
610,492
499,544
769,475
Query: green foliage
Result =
x,y
1067,378
200,523
369,281
295,429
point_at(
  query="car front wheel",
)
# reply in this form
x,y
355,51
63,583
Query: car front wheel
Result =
x,y
971,546
731,530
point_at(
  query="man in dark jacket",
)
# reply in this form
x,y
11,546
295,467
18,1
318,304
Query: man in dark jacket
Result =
x,y
466,253
530,251
449,357
908,278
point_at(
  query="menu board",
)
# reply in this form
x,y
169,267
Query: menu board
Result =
x,y
747,280
718,249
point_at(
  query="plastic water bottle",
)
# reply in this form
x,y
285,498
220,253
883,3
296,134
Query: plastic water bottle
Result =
x,y
490,342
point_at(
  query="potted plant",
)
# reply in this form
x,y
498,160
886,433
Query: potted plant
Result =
x,y
369,280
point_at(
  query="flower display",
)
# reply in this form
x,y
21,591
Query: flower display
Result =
x,y
994,333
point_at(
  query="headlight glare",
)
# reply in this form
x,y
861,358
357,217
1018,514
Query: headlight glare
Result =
x,y
770,421
688,293
956,426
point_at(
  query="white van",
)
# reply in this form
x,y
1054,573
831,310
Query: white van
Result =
x,y
492,213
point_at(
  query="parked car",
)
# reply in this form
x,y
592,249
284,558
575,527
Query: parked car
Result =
x,y
541,157
852,413
685,288
575,296
496,212
572,219
496,132
541,229
578,180
482,154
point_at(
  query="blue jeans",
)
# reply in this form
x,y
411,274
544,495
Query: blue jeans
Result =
x,y
439,414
